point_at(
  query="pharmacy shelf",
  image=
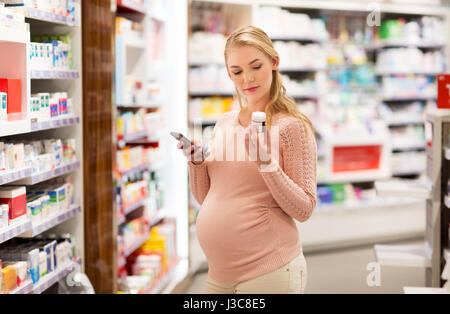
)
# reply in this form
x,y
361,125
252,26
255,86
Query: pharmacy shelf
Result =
x,y
129,5
160,284
133,206
350,226
129,172
301,69
203,121
137,243
206,63
447,153
417,146
402,255
386,73
132,136
194,93
409,172
54,74
349,178
59,273
10,128
447,201
402,122
160,215
25,288
304,96
362,205
295,38
14,36
393,43
54,123
43,225
14,175
47,16
398,188
410,98
14,230
151,105
50,174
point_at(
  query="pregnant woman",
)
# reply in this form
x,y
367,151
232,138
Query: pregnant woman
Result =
x,y
246,222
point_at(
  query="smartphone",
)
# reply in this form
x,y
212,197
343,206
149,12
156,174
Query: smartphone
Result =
x,y
186,142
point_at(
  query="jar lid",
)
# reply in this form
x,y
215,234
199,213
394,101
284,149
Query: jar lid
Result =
x,y
259,116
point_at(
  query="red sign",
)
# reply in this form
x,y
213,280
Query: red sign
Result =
x,y
443,99
356,158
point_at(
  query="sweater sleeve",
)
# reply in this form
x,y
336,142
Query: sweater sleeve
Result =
x,y
199,180
294,189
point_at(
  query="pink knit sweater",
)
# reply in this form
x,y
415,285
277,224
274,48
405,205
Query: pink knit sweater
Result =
x,y
245,225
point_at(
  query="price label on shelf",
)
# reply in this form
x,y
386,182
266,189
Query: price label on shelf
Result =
x,y
443,99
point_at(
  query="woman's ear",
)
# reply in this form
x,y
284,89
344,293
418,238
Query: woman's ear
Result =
x,y
275,63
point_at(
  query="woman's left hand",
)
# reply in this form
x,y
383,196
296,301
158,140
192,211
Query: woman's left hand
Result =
x,y
259,145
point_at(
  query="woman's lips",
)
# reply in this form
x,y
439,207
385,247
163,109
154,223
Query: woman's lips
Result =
x,y
252,89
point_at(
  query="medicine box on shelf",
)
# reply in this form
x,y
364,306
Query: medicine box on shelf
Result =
x,y
15,197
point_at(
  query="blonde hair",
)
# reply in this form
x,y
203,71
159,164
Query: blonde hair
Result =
x,y
279,102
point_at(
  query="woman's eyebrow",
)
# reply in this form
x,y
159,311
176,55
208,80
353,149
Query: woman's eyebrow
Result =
x,y
235,66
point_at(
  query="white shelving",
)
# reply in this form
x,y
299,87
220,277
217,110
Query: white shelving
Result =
x,y
14,175
344,226
136,243
402,255
135,205
50,174
25,288
14,230
45,124
14,36
54,74
48,16
161,214
59,273
420,190
48,223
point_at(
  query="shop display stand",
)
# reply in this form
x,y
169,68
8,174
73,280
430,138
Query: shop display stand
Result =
x,y
16,45
135,57
431,255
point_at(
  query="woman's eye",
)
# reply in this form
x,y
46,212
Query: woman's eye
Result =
x,y
237,73
257,68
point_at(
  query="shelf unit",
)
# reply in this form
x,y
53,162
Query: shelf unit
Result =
x,y
430,255
136,57
68,126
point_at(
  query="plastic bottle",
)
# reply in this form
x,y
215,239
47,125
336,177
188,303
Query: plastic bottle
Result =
x,y
259,120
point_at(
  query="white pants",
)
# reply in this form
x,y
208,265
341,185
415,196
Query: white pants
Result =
x,y
288,279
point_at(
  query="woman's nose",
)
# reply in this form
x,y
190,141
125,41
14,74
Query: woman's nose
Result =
x,y
248,77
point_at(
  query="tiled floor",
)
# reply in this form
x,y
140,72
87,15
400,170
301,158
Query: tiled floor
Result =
x,y
344,271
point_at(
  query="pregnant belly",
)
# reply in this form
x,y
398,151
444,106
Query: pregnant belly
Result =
x,y
231,232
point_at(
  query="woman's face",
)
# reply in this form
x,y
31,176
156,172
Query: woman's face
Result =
x,y
251,72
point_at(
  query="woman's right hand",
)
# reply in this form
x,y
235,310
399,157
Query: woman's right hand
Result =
x,y
197,157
